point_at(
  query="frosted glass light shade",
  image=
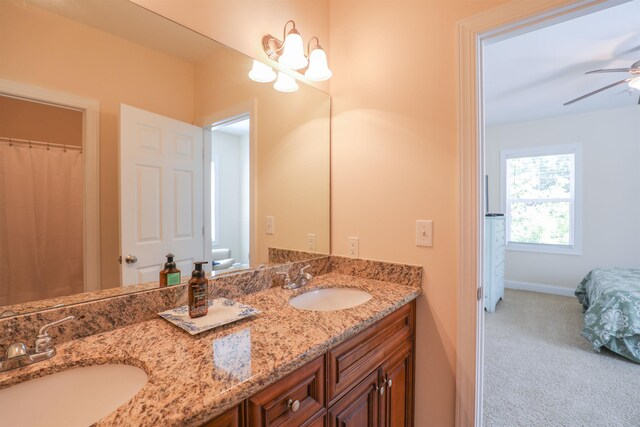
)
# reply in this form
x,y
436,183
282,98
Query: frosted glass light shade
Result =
x,y
635,83
285,83
293,52
318,69
261,73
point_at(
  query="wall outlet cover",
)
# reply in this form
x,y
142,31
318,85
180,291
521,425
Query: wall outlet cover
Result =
x,y
271,225
354,250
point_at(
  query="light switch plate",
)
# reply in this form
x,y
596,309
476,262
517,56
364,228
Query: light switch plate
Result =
x,y
424,233
354,249
271,225
311,242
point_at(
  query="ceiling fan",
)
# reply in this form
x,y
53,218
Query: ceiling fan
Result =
x,y
634,80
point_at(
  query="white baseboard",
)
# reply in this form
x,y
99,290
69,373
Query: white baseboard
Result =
x,y
539,287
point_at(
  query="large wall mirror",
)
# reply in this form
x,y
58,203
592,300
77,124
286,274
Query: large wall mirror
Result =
x,y
125,136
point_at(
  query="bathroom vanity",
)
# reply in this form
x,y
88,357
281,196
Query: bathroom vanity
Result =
x,y
284,366
364,381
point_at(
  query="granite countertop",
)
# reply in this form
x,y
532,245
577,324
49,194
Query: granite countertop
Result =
x,y
194,378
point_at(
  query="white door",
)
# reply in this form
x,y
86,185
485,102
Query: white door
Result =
x,y
161,194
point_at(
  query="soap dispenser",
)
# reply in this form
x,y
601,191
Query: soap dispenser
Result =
x,y
170,275
198,300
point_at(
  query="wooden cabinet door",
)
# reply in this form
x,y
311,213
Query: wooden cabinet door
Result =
x,y
397,377
231,418
359,407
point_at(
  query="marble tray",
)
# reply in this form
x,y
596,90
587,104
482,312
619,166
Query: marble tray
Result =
x,y
221,312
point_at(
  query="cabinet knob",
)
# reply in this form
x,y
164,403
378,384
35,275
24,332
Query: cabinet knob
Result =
x,y
381,391
389,382
293,405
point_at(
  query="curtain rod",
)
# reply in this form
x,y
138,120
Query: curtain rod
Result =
x,y
39,143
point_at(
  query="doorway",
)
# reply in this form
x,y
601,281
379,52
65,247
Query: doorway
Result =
x,y
228,230
88,210
474,32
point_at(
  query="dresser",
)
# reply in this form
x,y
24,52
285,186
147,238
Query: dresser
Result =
x,y
494,243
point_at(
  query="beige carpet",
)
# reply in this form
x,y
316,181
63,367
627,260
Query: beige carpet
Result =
x,y
539,370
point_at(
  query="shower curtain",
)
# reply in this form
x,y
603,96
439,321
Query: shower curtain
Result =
x,y
41,229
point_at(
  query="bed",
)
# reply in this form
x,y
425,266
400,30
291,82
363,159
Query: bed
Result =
x,y
611,301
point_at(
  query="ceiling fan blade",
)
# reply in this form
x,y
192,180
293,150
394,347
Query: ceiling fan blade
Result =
x,y
610,70
597,91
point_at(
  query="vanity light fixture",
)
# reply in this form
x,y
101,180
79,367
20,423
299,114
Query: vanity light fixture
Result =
x,y
261,73
290,53
285,83
318,68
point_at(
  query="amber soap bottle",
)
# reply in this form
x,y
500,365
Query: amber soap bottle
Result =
x,y
170,275
198,298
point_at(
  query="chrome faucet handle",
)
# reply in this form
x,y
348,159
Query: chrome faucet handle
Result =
x,y
16,350
286,280
44,340
308,276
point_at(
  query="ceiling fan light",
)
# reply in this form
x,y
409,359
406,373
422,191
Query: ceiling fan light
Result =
x,y
293,51
635,83
261,73
285,83
318,69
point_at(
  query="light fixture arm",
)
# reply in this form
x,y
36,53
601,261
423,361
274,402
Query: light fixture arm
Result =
x,y
273,46
317,45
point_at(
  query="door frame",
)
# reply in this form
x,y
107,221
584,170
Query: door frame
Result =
x,y
518,16
248,108
90,109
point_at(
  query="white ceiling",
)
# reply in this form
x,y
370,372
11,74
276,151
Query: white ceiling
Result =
x,y
530,76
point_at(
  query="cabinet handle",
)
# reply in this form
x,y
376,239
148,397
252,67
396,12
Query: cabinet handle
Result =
x,y
293,405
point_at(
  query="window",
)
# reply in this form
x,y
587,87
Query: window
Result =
x,y
540,198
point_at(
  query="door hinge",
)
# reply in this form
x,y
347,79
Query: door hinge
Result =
x,y
479,293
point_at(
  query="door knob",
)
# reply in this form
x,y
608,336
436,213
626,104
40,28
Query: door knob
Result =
x,y
130,259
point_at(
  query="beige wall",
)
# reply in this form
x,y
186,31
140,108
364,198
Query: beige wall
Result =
x,y
394,142
34,43
292,156
24,119
241,24
395,160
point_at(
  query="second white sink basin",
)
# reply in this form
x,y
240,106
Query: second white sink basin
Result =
x,y
330,299
75,397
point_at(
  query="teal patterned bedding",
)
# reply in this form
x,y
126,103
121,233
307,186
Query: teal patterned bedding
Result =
x,y
611,301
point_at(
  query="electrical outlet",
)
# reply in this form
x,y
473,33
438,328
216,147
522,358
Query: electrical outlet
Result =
x,y
354,249
311,242
271,225
424,233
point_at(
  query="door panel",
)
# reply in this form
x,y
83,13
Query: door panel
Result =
x,y
397,373
161,193
359,407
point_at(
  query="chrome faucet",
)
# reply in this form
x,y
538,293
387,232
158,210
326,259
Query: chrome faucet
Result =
x,y
18,355
301,280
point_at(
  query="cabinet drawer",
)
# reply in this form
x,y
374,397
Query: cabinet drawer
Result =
x,y
306,386
351,361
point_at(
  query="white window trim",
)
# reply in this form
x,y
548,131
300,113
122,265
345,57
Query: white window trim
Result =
x,y
576,213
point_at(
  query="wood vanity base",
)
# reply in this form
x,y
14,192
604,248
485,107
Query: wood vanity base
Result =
x,y
367,380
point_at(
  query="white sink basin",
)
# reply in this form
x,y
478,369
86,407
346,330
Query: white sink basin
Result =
x,y
330,299
76,397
